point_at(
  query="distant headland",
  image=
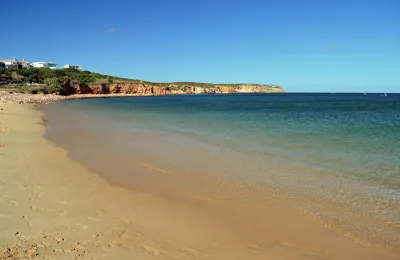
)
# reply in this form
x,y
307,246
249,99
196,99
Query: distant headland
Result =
x,y
45,78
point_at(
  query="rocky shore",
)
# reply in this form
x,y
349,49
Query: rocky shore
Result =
x,y
24,98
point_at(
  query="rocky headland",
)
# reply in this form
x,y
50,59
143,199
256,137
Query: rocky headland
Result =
x,y
38,85
142,88
133,89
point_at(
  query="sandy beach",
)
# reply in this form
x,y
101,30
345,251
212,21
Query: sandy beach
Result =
x,y
54,208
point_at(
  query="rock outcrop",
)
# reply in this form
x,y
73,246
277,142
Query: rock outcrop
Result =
x,y
145,89
133,89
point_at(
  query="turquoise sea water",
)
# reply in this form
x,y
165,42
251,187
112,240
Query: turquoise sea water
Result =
x,y
343,149
352,133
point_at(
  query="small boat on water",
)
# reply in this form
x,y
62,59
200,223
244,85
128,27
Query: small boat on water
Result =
x,y
365,93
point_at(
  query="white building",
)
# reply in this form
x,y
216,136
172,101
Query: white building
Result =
x,y
11,63
14,63
42,64
25,64
73,67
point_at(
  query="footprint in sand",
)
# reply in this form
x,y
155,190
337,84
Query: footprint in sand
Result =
x,y
123,235
189,251
138,234
25,217
23,185
32,251
12,202
79,245
124,245
151,250
32,207
260,248
45,244
59,239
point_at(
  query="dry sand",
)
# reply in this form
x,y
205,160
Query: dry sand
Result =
x,y
54,208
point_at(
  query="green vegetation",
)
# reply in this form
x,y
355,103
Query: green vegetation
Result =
x,y
44,80
53,81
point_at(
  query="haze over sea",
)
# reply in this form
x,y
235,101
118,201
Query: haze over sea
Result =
x,y
336,155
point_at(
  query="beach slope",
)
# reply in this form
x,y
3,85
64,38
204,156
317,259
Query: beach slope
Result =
x,y
54,208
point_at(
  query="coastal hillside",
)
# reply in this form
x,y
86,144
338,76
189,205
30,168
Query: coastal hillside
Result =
x,y
69,82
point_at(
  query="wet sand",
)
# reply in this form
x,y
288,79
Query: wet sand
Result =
x,y
54,208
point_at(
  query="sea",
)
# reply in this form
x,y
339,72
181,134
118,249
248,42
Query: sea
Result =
x,y
333,156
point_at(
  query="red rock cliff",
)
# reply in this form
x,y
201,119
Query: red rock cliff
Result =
x,y
144,89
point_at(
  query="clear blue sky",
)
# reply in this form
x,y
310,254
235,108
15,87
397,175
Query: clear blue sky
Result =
x,y
303,45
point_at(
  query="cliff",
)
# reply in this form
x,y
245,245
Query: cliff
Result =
x,y
69,82
146,89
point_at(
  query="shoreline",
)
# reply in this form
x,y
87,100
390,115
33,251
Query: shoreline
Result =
x,y
56,207
23,98
140,159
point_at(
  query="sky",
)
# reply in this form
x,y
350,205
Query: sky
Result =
x,y
302,45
